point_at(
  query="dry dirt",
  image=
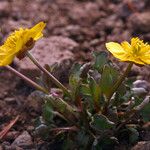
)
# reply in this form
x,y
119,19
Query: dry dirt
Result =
x,y
82,26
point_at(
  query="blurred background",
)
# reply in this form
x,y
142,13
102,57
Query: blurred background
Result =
x,y
83,21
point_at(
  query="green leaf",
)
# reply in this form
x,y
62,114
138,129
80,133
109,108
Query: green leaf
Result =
x,y
133,135
85,90
101,122
96,145
105,142
62,107
47,112
108,78
42,131
100,60
95,90
120,96
68,142
83,138
122,90
74,80
145,112
74,77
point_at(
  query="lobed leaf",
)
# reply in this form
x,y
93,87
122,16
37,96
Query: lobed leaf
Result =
x,y
101,122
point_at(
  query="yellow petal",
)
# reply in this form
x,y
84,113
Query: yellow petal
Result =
x,y
7,60
114,47
146,59
126,46
134,41
145,50
137,60
117,50
19,43
36,31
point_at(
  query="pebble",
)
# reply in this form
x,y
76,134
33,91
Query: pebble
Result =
x,y
10,100
139,91
23,141
144,145
140,22
141,84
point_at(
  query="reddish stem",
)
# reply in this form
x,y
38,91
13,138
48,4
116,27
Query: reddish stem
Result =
x,y
29,81
8,127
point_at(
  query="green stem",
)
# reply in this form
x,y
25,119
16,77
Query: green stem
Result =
x,y
117,84
54,80
29,81
63,108
119,81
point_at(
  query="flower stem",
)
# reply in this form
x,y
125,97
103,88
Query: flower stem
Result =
x,y
54,80
29,81
117,84
120,80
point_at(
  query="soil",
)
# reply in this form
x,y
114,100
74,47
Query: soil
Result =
x,y
89,24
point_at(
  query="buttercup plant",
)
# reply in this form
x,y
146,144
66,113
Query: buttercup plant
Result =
x,y
137,52
98,108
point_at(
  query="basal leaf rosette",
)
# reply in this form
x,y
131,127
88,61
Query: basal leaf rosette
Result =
x,y
19,42
137,51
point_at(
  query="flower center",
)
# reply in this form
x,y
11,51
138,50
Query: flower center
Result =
x,y
28,46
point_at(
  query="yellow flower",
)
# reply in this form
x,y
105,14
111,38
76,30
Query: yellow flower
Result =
x,y
19,42
137,52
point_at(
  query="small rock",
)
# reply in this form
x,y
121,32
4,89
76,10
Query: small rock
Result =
x,y
86,13
139,91
41,130
142,146
147,126
141,84
126,8
30,128
141,71
140,22
34,101
3,94
24,141
5,143
146,136
147,4
0,147
4,8
11,135
10,100
5,147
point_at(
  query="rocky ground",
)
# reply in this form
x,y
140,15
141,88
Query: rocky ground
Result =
x,y
74,29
